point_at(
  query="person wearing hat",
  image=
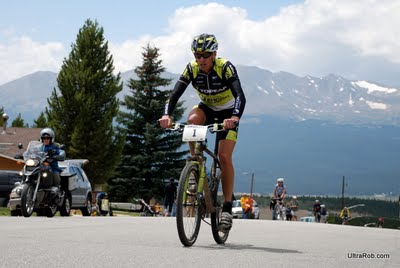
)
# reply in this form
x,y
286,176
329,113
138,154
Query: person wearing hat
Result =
x,y
243,200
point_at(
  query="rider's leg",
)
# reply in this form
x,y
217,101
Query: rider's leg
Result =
x,y
196,117
225,156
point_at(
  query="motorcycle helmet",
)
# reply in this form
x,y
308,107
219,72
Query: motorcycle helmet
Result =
x,y
47,132
279,180
204,43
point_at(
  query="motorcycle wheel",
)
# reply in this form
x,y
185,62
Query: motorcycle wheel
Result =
x,y
27,202
65,209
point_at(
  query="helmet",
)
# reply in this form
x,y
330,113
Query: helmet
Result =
x,y
294,197
204,43
316,201
322,206
279,180
47,132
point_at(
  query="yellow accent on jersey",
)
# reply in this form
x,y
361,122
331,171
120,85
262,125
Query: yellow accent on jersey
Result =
x,y
216,100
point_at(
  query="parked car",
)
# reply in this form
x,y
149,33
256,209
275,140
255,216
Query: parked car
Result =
x,y
8,178
238,213
74,182
307,219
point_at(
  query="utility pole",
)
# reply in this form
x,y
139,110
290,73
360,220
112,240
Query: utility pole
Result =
x,y
343,193
251,184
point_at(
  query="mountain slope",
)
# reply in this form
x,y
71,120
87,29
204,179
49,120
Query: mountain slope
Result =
x,y
312,131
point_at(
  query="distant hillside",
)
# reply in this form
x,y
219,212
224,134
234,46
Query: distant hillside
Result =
x,y
331,98
311,131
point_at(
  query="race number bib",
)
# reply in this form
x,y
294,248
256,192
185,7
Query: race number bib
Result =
x,y
194,133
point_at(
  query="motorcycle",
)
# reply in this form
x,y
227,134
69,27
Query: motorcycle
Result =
x,y
36,191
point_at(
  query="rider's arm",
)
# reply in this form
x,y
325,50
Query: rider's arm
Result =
x,y
60,155
233,81
283,192
179,89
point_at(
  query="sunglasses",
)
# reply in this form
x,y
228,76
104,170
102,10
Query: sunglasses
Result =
x,y
204,55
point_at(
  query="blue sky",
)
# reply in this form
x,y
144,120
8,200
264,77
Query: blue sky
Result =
x,y
359,40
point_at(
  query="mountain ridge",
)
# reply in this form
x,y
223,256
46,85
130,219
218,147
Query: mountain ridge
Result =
x,y
310,130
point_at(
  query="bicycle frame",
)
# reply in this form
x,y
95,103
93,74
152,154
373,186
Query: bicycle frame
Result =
x,y
200,160
193,204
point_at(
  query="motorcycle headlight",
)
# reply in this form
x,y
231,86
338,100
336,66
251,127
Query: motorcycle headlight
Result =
x,y
32,163
18,191
44,174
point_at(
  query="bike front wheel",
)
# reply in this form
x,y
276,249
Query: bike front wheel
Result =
x,y
220,236
188,207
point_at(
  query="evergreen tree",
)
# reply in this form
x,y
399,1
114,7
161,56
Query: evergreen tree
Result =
x,y
40,122
19,122
1,116
83,113
150,156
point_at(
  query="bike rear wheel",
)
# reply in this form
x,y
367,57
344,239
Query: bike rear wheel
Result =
x,y
188,208
219,236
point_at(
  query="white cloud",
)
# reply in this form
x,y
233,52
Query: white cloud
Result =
x,y
356,39
21,56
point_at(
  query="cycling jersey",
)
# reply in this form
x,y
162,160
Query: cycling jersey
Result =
x,y
279,190
220,89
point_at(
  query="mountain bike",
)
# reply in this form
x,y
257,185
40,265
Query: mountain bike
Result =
x,y
197,189
278,213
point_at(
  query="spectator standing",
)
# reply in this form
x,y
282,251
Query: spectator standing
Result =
x,y
324,213
380,222
295,207
249,207
288,211
170,196
317,211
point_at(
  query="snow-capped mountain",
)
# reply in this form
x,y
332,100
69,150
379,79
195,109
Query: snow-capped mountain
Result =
x,y
310,130
331,98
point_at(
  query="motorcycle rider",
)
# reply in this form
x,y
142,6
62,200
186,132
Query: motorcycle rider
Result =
x,y
53,150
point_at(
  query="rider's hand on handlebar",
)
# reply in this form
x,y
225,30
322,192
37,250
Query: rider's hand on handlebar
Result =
x,y
231,123
165,121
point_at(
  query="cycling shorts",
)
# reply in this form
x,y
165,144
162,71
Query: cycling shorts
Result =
x,y
218,117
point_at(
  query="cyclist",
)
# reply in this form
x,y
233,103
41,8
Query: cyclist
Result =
x,y
317,211
221,98
345,215
279,193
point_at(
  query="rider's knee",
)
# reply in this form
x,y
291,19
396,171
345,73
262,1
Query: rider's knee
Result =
x,y
225,158
196,117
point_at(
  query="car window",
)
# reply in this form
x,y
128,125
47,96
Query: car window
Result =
x,y
236,203
78,173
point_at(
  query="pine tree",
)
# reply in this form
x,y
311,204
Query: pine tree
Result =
x,y
18,122
151,155
40,122
82,116
1,116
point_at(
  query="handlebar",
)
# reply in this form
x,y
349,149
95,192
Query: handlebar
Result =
x,y
216,127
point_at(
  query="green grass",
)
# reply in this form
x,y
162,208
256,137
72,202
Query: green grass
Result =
x,y
4,211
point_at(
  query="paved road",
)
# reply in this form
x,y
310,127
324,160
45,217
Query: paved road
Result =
x,y
153,242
